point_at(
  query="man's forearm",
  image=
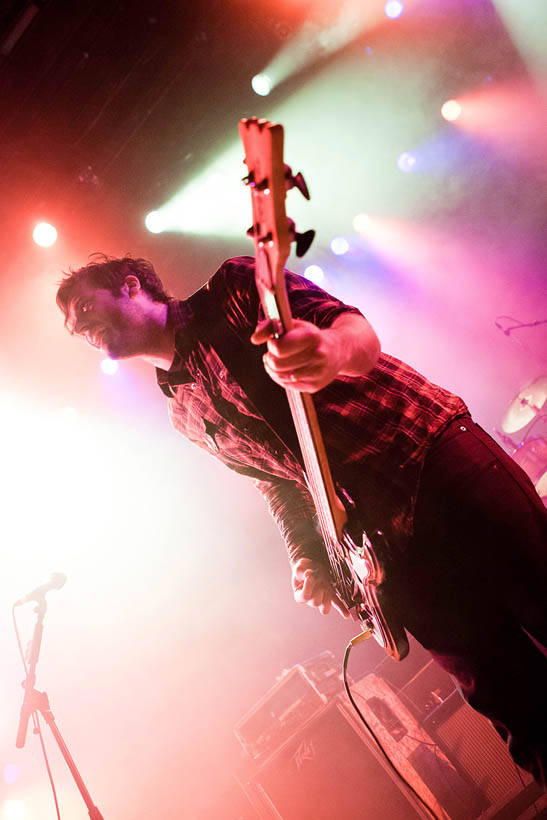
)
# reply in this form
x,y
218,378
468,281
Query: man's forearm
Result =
x,y
293,510
355,344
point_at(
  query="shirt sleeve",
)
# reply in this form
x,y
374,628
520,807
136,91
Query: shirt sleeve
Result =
x,y
313,304
293,511
307,300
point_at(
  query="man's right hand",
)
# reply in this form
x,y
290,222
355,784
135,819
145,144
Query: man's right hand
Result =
x,y
312,586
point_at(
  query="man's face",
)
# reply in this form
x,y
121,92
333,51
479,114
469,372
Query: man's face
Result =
x,y
115,324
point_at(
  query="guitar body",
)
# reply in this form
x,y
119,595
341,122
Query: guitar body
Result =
x,y
364,573
357,570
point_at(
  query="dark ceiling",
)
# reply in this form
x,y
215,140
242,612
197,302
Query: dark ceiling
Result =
x,y
109,107
118,102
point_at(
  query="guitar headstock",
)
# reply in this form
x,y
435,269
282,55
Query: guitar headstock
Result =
x,y
272,232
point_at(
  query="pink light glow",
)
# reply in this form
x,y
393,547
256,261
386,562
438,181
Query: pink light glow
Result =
x,y
408,245
512,116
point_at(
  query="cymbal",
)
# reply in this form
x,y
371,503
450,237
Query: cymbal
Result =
x,y
526,405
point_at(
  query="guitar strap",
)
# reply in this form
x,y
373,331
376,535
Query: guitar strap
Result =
x,y
243,361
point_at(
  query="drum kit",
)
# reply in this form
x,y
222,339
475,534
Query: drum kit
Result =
x,y
530,453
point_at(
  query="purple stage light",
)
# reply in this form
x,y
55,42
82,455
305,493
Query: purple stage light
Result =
x,y
393,9
339,245
406,162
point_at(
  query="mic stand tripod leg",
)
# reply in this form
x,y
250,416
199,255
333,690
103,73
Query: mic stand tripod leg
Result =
x,y
38,701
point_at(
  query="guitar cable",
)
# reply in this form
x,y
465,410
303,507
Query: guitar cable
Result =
x,y
373,735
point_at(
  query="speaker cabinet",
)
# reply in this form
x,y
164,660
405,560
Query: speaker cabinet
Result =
x,y
475,746
328,771
331,769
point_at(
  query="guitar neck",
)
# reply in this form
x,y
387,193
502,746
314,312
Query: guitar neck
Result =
x,y
331,513
268,180
356,570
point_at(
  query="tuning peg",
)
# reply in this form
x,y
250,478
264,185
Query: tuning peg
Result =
x,y
262,240
250,180
296,181
303,240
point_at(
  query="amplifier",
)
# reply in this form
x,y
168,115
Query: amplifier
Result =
x,y
419,682
283,710
415,752
475,748
331,769
427,689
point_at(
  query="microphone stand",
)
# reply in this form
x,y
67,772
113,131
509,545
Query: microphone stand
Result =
x,y
34,701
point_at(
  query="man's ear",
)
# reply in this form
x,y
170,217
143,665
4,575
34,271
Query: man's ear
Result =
x,y
131,286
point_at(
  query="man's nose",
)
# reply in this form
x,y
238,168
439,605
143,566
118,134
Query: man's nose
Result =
x,y
77,324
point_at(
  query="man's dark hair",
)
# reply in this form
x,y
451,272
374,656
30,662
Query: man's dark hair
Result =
x,y
109,273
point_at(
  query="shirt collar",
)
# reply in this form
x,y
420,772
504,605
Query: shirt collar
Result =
x,y
179,316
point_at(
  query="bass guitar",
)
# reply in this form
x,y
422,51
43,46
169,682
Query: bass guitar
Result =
x,y
357,569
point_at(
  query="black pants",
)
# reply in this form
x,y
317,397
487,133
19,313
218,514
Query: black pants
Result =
x,y
473,585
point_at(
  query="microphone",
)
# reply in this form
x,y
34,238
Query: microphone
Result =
x,y
56,581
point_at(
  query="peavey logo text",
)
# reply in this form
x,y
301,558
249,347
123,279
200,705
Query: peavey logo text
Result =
x,y
306,751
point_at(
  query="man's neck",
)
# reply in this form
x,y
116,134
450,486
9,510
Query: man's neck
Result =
x,y
162,351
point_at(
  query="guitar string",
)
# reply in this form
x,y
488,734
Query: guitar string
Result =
x,y
326,521
311,462
318,490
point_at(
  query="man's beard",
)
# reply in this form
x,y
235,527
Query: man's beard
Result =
x,y
118,345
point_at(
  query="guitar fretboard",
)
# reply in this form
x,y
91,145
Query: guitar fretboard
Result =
x,y
303,414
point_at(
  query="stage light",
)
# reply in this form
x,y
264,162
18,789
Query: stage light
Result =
x,y
451,110
11,773
215,202
525,23
109,367
155,222
44,234
406,162
393,9
339,245
13,810
361,223
314,273
261,84
328,29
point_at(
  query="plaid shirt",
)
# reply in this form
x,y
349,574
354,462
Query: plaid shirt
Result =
x,y
376,428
